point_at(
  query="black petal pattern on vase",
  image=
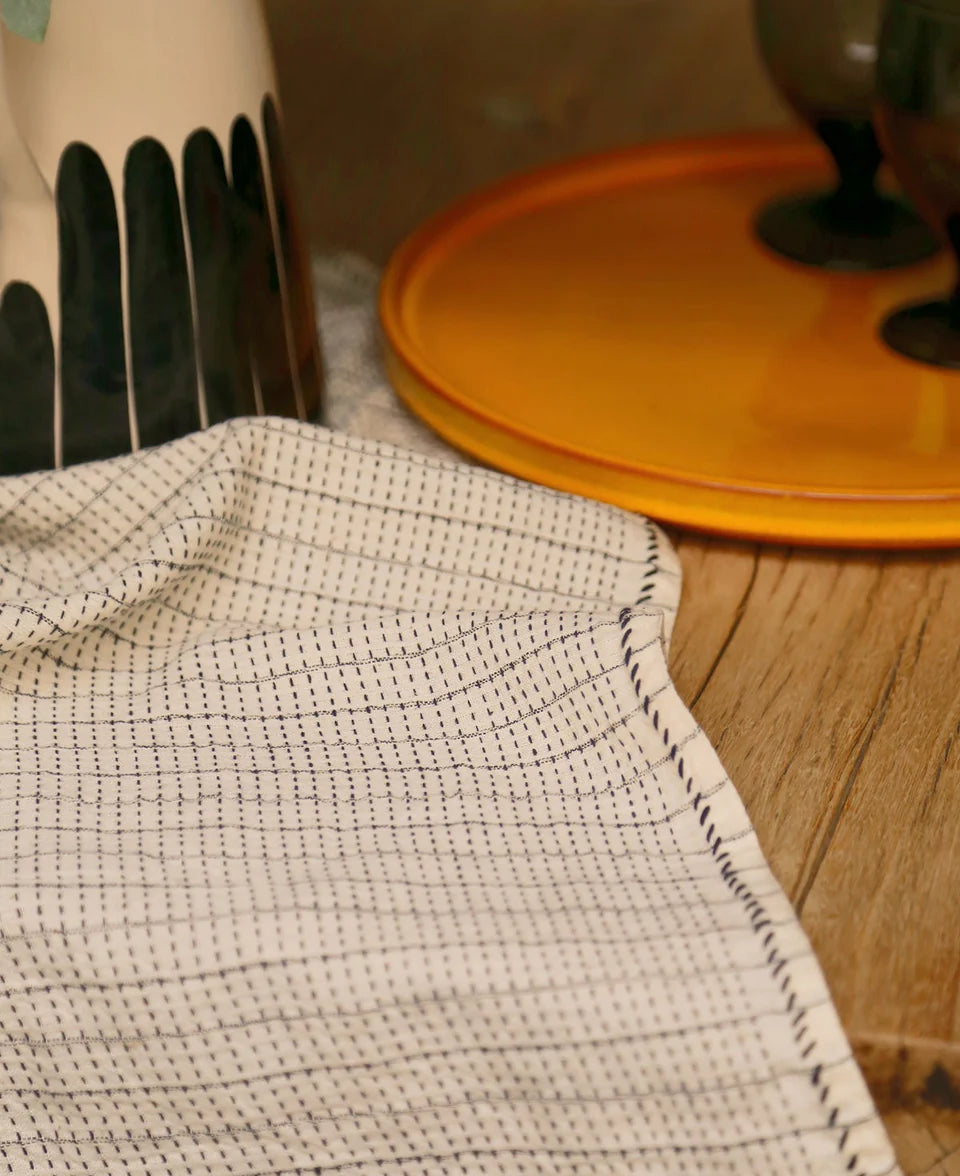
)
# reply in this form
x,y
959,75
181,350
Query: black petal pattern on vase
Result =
x,y
27,382
299,291
96,415
163,347
218,320
261,298
216,232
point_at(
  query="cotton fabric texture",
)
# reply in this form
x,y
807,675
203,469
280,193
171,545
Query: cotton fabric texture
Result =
x,y
350,822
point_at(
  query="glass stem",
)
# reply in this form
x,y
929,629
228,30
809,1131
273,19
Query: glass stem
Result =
x,y
857,154
953,308
952,228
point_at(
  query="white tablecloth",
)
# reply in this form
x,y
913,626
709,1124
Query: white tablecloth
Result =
x,y
350,822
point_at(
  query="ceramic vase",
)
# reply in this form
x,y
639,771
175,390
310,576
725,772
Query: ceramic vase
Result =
x,y
153,279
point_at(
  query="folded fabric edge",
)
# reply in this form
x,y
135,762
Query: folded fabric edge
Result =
x,y
848,1107
237,445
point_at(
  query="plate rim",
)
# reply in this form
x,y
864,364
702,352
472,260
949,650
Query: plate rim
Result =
x,y
740,151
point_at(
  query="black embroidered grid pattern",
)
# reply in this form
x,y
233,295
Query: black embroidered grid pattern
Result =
x,y
349,822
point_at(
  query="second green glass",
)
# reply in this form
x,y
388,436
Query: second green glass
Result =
x,y
918,114
822,56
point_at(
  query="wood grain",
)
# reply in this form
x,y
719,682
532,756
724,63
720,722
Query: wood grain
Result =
x,y
830,683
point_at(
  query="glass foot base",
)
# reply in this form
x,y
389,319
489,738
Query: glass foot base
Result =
x,y
925,331
810,229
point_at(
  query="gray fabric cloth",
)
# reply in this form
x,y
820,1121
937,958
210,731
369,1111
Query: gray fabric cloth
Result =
x,y
360,399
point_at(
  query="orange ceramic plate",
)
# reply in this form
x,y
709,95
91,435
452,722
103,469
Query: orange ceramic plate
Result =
x,y
611,327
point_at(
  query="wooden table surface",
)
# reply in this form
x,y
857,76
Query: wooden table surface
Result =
x,y
829,682
830,685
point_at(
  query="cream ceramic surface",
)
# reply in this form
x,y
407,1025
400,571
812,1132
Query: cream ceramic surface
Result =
x,y
112,71
108,74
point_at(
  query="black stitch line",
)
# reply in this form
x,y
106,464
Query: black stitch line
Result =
x,y
644,1149
231,527
92,1092
265,966
146,855
681,1031
653,558
481,623
632,665
47,934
